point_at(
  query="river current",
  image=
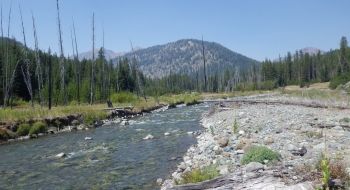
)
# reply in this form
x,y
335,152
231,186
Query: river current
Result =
x,y
116,158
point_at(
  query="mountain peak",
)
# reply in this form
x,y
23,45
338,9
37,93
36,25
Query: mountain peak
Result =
x,y
109,54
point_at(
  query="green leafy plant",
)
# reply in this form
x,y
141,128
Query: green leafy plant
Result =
x,y
198,175
212,130
259,154
38,127
4,135
235,125
326,172
345,119
23,129
172,105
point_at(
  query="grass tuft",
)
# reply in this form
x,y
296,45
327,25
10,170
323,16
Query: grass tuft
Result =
x,y
199,175
259,154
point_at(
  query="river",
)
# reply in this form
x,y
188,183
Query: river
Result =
x,y
116,158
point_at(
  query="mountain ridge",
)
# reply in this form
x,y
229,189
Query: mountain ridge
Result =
x,y
186,56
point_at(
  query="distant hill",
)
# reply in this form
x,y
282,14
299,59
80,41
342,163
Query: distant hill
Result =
x,y
312,50
109,54
185,56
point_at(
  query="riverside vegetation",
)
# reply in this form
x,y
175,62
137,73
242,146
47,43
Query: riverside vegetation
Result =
x,y
24,121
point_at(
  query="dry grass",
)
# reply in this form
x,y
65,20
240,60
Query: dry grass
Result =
x,y
323,85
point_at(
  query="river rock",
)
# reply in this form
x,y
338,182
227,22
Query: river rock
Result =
x,y
159,181
61,155
148,137
223,142
166,134
124,122
88,138
253,166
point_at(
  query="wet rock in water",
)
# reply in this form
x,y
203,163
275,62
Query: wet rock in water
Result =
x,y
190,132
148,137
159,181
172,159
166,134
98,123
253,166
88,138
124,122
61,155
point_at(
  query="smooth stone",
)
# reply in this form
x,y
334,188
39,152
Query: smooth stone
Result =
x,y
166,134
253,166
88,138
159,181
239,151
148,137
223,142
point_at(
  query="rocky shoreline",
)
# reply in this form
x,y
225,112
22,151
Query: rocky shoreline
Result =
x,y
295,131
74,122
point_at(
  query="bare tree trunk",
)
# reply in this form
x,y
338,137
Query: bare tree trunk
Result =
x,y
7,60
26,74
38,64
103,69
2,59
93,60
63,80
78,63
205,74
50,80
138,75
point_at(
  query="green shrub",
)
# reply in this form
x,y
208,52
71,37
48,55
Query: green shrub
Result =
x,y
172,105
38,127
4,135
259,154
23,129
197,175
345,119
341,79
193,102
123,97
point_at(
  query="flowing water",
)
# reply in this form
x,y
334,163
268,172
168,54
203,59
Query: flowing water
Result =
x,y
116,158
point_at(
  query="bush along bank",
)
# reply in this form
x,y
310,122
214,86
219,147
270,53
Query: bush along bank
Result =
x,y
276,145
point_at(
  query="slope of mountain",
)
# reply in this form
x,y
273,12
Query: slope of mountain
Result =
x,y
109,54
186,56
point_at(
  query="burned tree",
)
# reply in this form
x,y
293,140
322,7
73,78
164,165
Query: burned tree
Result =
x,y
63,81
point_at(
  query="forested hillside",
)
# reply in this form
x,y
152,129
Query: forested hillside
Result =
x,y
186,57
302,68
124,75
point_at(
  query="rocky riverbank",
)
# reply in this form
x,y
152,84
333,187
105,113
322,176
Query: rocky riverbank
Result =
x,y
295,131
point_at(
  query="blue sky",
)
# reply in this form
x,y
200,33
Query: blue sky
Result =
x,y
255,28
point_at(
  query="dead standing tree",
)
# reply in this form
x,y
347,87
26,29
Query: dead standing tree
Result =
x,y
138,75
6,82
26,75
63,81
205,74
38,64
77,63
93,60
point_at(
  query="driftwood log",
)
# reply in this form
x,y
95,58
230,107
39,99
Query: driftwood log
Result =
x,y
312,104
237,180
